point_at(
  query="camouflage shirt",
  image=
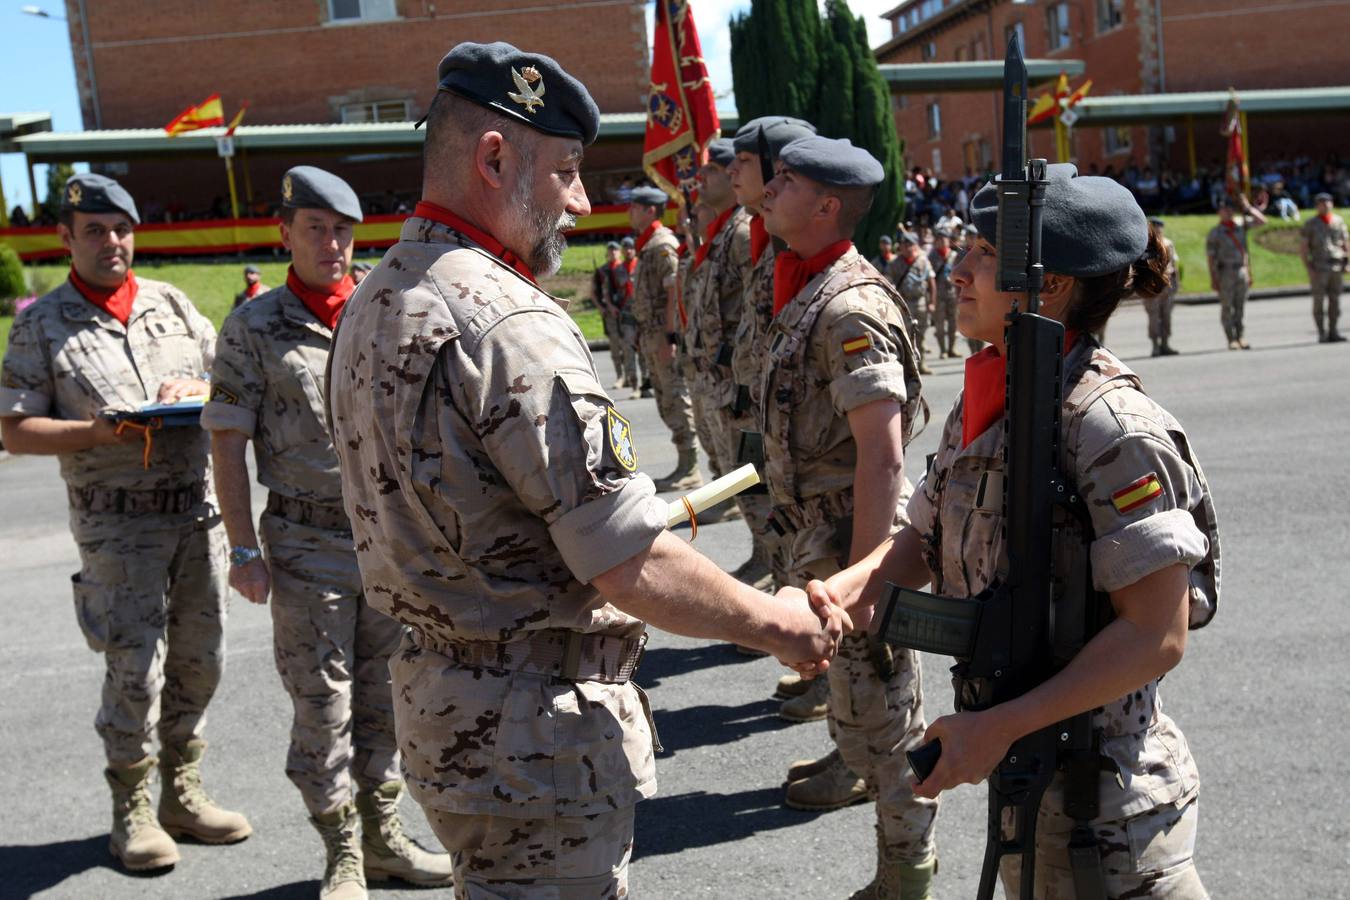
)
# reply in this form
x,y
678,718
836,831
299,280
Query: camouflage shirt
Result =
x,y
749,355
911,278
1227,247
1150,507
714,305
1328,244
68,359
267,382
942,271
657,264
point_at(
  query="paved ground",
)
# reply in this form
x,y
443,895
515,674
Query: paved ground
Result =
x,y
1257,694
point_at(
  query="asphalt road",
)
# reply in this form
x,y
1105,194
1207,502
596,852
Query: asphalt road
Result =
x,y
1257,693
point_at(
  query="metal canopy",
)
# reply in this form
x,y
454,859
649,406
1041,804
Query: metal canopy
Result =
x,y
1145,109
984,75
13,125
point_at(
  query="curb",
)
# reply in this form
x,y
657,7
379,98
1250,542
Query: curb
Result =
x,y
1261,294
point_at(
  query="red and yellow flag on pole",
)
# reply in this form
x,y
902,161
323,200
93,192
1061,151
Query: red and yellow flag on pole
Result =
x,y
238,117
681,110
206,114
1235,173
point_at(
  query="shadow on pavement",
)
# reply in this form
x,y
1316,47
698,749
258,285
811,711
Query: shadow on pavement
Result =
x,y
296,890
706,726
699,819
664,662
34,868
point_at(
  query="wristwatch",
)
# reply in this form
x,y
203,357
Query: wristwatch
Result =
x,y
242,556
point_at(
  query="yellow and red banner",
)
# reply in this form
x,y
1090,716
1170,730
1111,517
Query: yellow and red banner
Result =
x,y
208,113
1236,176
1052,103
681,110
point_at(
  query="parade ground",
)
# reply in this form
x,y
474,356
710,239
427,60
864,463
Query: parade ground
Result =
x,y
1256,694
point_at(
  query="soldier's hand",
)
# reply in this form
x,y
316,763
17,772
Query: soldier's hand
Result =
x,y
104,431
252,580
176,389
812,631
820,593
972,745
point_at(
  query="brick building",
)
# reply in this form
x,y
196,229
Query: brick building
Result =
x,y
1130,47
328,61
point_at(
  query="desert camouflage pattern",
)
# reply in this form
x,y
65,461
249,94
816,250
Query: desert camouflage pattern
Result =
x,y
331,649
488,478
1328,243
151,591
948,297
749,356
1227,251
715,306
911,281
687,283
1113,435
656,273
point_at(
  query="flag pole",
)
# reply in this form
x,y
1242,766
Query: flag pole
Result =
x,y
234,200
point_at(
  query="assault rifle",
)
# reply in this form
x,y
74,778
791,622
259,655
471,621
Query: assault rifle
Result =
x,y
1026,624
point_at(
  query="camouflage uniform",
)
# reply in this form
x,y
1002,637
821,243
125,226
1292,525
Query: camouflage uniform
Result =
x,y
489,479
655,274
838,345
151,591
332,650
633,364
1115,437
1159,308
1227,252
948,298
688,283
911,280
1328,247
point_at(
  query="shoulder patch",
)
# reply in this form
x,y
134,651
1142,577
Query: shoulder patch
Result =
x,y
1137,493
621,439
220,395
856,345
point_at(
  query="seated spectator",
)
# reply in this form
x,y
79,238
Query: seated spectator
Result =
x,y
1281,203
18,218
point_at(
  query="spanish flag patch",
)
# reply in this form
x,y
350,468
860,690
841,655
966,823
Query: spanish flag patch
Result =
x,y
1137,493
857,345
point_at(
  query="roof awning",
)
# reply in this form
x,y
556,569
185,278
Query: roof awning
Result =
x,y
982,75
1158,109
13,125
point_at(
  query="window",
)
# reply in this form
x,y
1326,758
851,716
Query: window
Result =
x,y
1015,28
377,111
978,50
962,52
937,162
899,102
929,50
1117,139
361,10
934,122
1057,26
1110,14
986,155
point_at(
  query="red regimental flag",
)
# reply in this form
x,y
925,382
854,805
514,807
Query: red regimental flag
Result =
x,y
1235,170
681,111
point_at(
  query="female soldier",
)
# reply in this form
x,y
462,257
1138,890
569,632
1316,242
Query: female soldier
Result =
x,y
1154,548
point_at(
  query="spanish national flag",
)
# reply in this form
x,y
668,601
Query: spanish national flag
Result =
x,y
1137,494
204,115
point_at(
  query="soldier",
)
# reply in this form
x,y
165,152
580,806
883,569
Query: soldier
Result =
x,y
841,393
498,509
658,331
1230,273
253,285
150,593
913,277
1324,249
884,253
946,296
1159,306
628,325
332,650
607,294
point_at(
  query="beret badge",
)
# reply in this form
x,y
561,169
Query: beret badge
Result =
x,y
74,193
287,189
524,94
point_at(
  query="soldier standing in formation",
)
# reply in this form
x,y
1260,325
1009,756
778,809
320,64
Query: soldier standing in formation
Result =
x,y
253,286
841,393
658,331
1325,249
498,511
151,590
332,649
885,253
942,259
1159,306
1230,271
912,275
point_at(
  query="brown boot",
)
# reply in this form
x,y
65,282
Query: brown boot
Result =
x,y
343,877
897,880
136,839
805,768
686,476
386,850
834,787
792,685
185,807
810,705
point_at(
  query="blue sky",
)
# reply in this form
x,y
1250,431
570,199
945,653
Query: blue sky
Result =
x,y
37,75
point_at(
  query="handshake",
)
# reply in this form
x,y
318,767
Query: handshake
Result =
x,y
811,624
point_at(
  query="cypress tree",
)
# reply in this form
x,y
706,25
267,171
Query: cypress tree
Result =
x,y
57,173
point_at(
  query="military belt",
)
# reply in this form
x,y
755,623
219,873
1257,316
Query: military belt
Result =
x,y
303,512
820,510
556,652
127,502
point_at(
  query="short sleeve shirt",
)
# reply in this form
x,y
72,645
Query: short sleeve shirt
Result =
x,y
911,279
1328,243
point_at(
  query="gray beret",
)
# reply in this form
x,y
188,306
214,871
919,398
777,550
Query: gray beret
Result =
x,y
628,243
1091,225
942,232
650,196
909,237
779,131
612,245
834,162
529,87
92,193
884,239
305,187
251,269
1323,196
721,151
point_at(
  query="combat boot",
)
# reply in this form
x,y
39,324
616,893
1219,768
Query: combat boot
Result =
x,y
810,705
897,880
343,877
833,787
136,839
792,685
1166,349
686,476
387,851
184,806
805,768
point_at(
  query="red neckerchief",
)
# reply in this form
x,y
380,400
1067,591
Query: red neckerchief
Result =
x,y
631,266
116,303
759,239
642,239
489,243
944,251
887,256
713,230
791,273
985,390
326,305
1231,229
253,290
1325,217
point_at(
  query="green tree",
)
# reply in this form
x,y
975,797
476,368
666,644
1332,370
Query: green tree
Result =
x,y
12,283
57,173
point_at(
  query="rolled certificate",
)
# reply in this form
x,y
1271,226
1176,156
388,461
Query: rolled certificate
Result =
x,y
711,494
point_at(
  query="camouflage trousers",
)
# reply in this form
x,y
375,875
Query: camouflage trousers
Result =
x,y
151,597
1326,296
1159,310
616,347
919,310
332,652
707,423
564,858
944,321
1233,289
633,365
755,508
873,721
672,395
1147,855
